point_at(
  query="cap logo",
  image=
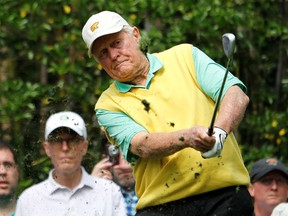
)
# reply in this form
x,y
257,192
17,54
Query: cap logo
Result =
x,y
64,117
271,162
94,26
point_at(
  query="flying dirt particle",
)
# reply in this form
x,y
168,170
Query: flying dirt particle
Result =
x,y
181,139
172,124
220,164
196,175
146,105
167,185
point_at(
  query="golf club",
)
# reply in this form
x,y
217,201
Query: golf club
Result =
x,y
228,41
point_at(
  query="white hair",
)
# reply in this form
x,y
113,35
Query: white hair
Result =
x,y
128,29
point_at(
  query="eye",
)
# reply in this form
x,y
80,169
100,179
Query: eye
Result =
x,y
281,181
55,139
267,181
118,44
8,165
102,54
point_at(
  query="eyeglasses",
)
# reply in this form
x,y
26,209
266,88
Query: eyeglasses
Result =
x,y
71,141
268,180
8,165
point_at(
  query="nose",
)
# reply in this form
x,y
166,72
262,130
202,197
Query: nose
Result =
x,y
65,145
124,162
274,184
2,169
113,53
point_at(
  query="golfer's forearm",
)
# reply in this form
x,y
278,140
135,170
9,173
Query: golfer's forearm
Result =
x,y
232,109
158,144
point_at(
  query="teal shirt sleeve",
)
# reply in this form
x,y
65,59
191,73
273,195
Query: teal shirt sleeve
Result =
x,y
210,75
121,129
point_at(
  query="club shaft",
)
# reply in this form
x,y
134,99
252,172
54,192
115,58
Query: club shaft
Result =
x,y
211,127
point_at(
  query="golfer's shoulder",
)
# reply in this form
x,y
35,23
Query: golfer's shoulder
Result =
x,y
180,47
184,48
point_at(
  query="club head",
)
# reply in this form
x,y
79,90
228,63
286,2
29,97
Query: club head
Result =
x,y
228,41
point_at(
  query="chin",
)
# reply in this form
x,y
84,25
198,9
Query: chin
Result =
x,y
275,201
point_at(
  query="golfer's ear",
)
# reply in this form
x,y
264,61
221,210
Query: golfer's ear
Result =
x,y
136,33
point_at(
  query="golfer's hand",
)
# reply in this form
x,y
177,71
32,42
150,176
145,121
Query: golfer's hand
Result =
x,y
220,136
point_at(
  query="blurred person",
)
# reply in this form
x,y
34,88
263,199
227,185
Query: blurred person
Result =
x,y
9,177
69,189
119,171
269,185
158,110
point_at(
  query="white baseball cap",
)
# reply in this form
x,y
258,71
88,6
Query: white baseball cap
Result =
x,y
66,119
100,24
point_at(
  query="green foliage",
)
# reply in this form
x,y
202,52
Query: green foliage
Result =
x,y
44,67
18,100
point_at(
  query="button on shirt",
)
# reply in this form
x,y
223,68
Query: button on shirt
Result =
x,y
93,197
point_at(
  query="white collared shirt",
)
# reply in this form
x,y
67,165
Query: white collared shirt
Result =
x,y
92,197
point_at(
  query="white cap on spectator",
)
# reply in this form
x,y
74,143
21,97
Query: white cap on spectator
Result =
x,y
66,119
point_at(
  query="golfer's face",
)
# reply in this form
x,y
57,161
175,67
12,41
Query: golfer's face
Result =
x,y
119,55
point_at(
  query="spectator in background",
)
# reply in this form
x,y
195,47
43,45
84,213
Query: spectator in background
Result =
x,y
269,185
9,177
120,171
69,190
